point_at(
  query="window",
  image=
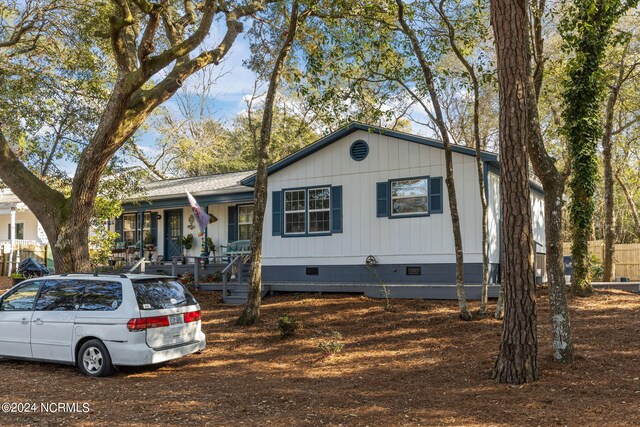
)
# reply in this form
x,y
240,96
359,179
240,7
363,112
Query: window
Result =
x,y
245,220
60,295
101,296
409,196
22,298
319,210
19,231
129,225
160,294
130,232
294,211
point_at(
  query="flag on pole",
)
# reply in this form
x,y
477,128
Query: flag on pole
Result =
x,y
201,216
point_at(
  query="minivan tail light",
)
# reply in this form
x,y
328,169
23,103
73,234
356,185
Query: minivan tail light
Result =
x,y
143,323
192,316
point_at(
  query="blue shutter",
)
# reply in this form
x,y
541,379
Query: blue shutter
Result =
x,y
435,195
154,227
382,199
233,224
336,209
120,229
276,213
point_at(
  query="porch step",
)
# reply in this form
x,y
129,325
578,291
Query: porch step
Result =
x,y
238,295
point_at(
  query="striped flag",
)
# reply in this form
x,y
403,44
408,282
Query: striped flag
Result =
x,y
201,216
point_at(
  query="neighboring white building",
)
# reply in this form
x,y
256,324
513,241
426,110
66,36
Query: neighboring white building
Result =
x,y
29,239
362,192
28,229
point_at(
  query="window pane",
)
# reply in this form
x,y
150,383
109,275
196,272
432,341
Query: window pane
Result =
x,y
294,200
319,198
318,221
244,232
245,214
294,222
19,231
410,205
22,298
408,188
59,296
159,294
101,296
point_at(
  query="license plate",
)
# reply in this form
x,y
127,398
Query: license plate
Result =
x,y
175,319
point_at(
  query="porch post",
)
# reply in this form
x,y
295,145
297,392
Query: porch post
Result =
x,y
12,244
205,252
141,233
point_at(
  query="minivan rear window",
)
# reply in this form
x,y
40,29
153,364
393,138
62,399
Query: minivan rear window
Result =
x,y
156,294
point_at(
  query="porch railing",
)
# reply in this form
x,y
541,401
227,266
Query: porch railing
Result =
x,y
198,262
228,270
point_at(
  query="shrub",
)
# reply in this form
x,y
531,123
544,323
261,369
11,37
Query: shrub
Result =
x,y
331,347
596,268
288,326
17,276
188,280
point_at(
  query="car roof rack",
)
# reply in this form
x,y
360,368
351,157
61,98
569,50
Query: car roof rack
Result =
x,y
95,274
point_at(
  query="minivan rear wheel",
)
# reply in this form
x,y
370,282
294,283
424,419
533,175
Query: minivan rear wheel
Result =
x,y
94,359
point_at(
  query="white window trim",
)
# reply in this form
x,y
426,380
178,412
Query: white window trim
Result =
x,y
392,197
308,221
285,211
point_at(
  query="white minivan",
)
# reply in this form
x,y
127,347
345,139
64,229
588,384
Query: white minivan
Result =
x,y
100,321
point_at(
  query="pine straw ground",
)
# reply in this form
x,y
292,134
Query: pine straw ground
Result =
x,y
416,365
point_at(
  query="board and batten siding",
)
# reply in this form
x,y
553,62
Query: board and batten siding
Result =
x,y
537,221
424,240
494,215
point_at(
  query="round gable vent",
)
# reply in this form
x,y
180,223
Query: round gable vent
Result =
x,y
359,150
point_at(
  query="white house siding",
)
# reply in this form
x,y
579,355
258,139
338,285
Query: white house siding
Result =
x,y
493,220
423,240
494,215
31,226
537,220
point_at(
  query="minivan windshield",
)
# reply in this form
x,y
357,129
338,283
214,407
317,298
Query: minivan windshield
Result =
x,y
156,294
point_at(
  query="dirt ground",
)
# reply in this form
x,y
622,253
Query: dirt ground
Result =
x,y
417,365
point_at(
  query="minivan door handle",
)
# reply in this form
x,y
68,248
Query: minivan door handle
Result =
x,y
24,321
38,321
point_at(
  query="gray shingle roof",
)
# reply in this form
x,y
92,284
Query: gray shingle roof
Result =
x,y
200,185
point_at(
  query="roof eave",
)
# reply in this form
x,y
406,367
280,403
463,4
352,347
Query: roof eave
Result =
x,y
355,126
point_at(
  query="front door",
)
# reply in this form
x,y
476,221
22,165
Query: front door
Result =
x,y
172,234
16,310
53,320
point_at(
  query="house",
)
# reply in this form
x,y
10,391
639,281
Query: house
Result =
x,y
359,208
29,241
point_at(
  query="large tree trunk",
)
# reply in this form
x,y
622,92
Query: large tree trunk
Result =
x,y
517,362
66,220
631,203
449,180
561,337
251,312
608,263
553,182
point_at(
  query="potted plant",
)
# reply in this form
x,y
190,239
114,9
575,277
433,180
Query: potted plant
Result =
x,y
187,244
148,242
17,278
210,246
